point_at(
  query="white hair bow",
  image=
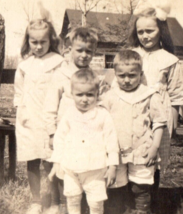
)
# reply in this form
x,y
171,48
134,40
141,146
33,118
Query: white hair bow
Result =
x,y
162,7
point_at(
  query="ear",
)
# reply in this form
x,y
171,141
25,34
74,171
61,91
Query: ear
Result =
x,y
70,47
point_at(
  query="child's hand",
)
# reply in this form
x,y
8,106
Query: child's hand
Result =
x,y
110,175
51,142
54,169
150,155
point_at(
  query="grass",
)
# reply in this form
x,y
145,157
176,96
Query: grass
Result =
x,y
15,196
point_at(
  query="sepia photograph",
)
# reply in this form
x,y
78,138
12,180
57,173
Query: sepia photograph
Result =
x,y
91,106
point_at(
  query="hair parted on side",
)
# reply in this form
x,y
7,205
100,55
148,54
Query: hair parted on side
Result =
x,y
85,33
39,24
85,75
165,38
127,57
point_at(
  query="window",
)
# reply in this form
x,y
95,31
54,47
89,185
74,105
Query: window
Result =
x,y
109,60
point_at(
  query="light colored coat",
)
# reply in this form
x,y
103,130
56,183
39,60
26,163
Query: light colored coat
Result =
x,y
59,96
162,71
86,141
32,80
133,113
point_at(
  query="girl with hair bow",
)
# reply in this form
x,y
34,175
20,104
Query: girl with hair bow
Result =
x,y
150,37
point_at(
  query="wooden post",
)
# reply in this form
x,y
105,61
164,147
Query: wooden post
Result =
x,y
2,45
12,155
2,146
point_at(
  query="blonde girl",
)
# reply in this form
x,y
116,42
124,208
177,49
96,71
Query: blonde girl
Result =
x,y
34,72
150,37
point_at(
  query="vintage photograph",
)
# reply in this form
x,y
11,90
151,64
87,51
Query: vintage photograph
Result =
x,y
91,107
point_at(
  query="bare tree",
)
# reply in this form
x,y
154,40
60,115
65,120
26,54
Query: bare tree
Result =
x,y
86,6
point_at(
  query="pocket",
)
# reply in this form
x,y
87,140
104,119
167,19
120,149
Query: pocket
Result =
x,y
22,115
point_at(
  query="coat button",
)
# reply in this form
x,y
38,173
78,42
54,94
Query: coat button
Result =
x,y
83,141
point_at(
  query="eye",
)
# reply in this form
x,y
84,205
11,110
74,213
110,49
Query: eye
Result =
x,y
90,95
79,95
34,42
149,31
79,51
140,32
132,75
88,51
121,76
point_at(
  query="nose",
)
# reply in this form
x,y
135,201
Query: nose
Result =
x,y
84,99
84,54
127,80
145,35
39,46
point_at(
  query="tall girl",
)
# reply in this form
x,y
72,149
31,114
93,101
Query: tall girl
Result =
x,y
151,39
40,61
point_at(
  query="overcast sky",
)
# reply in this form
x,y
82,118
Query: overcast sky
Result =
x,y
13,12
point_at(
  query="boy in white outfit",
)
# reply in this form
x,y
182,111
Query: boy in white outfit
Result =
x,y
85,146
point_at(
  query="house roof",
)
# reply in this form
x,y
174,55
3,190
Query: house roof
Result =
x,y
108,24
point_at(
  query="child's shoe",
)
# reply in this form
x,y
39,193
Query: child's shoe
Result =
x,y
34,209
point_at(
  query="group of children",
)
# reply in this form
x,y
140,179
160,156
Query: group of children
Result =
x,y
88,141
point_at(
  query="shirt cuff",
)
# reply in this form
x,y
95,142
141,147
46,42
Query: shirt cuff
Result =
x,y
51,129
158,125
113,159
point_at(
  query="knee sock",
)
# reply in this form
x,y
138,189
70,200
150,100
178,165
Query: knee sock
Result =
x,y
33,173
96,207
74,204
141,193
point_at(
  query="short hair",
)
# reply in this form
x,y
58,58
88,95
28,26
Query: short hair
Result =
x,y
165,38
127,57
85,75
85,33
40,24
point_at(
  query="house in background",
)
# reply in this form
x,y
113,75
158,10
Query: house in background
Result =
x,y
113,30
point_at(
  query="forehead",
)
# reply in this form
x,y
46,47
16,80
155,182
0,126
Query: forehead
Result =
x,y
83,86
81,43
124,68
38,34
146,22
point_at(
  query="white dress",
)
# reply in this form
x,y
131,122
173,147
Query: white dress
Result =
x,y
32,79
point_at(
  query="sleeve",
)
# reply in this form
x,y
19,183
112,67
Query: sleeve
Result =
x,y
18,86
111,140
59,140
52,102
157,112
175,84
104,101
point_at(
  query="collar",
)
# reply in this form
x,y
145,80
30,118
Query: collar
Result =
x,y
77,115
141,93
162,57
68,69
45,63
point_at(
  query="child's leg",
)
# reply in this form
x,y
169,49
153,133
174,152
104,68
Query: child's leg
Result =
x,y
33,173
54,185
94,185
141,178
96,207
74,204
142,197
117,198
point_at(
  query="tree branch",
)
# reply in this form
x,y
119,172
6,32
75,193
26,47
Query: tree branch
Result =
x,y
90,8
79,6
